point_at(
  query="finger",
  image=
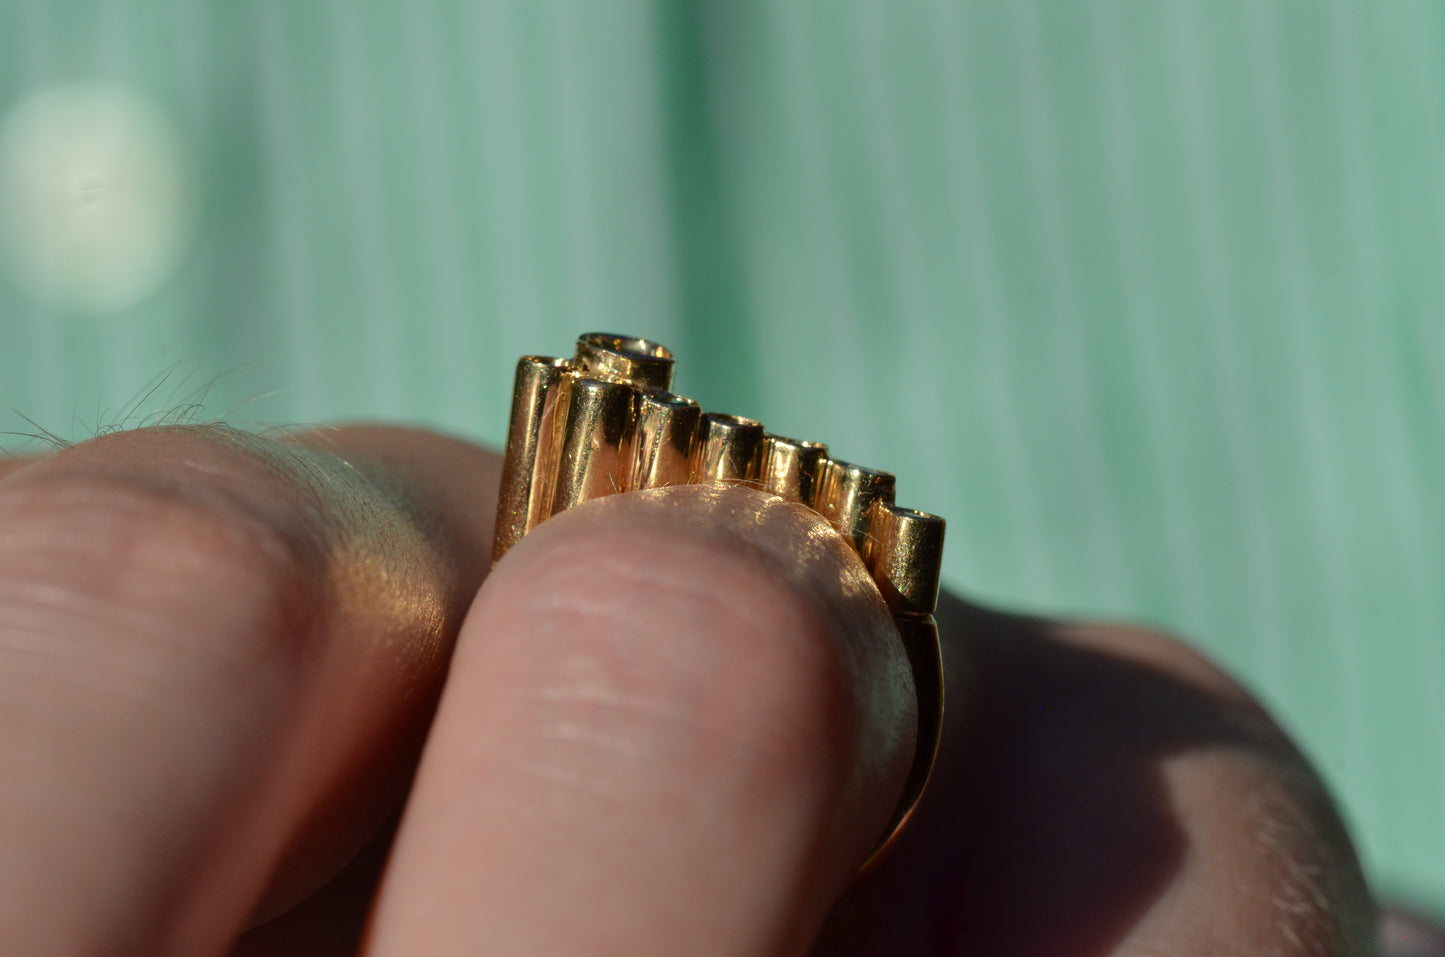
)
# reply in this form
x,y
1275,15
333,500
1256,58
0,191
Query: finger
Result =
x,y
676,723
1108,791
14,463
218,655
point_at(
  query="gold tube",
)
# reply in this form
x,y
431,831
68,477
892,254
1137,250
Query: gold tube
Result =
x,y
904,553
846,496
726,450
662,438
614,358
599,423
789,468
524,492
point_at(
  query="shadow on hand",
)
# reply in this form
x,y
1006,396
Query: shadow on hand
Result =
x,y
1048,828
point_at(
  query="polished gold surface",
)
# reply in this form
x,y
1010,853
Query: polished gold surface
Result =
x,y
599,423
727,450
615,358
662,440
604,422
904,552
789,468
524,497
847,494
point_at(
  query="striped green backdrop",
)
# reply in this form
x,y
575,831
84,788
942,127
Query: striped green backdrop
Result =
x,y
1146,297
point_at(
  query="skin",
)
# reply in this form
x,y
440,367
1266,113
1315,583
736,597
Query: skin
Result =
x,y
263,696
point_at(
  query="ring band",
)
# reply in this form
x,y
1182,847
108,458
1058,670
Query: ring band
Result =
x,y
604,421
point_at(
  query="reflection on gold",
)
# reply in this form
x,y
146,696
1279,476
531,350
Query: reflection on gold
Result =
x,y
662,440
524,493
626,359
590,457
904,552
847,496
727,451
790,468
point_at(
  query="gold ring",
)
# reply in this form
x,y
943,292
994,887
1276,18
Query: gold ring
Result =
x,y
604,421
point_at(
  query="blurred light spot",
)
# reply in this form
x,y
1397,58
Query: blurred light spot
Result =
x,y
95,198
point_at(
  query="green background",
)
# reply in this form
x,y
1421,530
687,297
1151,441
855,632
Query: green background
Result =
x,y
1146,297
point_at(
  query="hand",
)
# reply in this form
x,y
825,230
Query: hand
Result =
x,y
674,723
